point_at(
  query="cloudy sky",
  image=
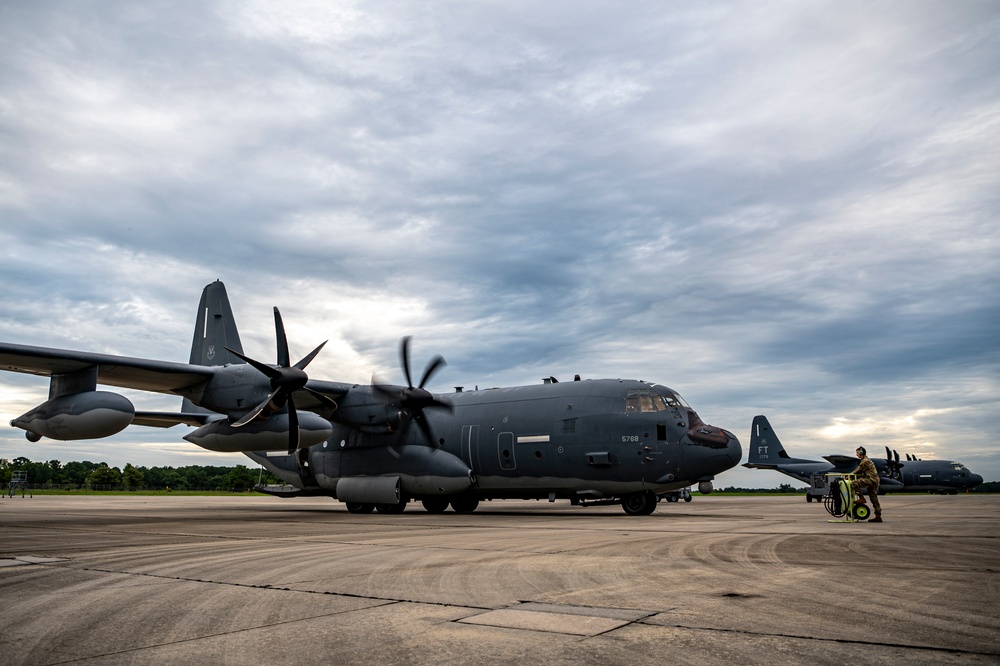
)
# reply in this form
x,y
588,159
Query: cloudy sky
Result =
x,y
771,207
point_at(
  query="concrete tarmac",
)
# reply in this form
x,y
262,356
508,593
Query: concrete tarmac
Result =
x,y
262,580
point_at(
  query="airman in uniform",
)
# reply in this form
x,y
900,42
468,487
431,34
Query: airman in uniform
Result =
x,y
867,479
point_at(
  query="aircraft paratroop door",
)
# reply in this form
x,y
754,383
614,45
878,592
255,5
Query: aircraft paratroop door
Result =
x,y
470,447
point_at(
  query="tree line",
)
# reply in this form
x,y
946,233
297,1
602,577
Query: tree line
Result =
x,y
101,476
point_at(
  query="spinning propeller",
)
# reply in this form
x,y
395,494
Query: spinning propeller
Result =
x,y
286,379
892,464
413,400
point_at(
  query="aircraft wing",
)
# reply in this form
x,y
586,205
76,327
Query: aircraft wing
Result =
x,y
170,419
123,371
333,390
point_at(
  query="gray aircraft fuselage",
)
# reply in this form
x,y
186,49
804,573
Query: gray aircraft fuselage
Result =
x,y
569,440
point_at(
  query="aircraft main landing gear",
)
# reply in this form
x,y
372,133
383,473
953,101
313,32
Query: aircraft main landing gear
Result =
x,y
435,504
464,504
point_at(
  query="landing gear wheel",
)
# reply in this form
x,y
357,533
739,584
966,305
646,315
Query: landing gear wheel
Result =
x,y
861,512
355,507
435,504
639,504
464,504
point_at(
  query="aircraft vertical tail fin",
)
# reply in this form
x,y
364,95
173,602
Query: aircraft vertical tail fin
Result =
x,y
214,330
765,447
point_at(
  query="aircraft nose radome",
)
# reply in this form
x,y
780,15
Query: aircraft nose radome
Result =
x,y
735,450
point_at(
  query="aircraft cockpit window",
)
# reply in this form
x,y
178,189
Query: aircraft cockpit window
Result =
x,y
644,400
671,402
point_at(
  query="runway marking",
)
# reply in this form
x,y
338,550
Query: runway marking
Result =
x,y
846,641
22,560
553,618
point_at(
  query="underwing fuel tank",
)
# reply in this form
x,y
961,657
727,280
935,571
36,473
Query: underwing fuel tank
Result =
x,y
86,415
270,434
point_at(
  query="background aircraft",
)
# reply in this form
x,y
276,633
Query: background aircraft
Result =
x,y
592,442
942,476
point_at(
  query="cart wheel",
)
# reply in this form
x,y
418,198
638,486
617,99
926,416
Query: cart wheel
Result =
x,y
861,512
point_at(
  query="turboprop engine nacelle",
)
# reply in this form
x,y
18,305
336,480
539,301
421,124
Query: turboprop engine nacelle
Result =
x,y
360,409
428,471
270,434
86,415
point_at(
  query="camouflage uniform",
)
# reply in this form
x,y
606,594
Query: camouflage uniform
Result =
x,y
867,480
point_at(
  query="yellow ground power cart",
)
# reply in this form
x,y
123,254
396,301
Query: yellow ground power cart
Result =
x,y
841,504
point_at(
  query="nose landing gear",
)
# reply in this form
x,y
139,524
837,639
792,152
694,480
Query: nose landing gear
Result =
x,y
639,504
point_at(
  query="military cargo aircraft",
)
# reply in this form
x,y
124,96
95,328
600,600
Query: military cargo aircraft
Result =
x,y
914,475
379,446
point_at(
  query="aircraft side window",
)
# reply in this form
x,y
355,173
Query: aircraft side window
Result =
x,y
646,401
632,405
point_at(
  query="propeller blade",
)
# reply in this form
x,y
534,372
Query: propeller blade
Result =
x,y
384,390
301,365
327,402
425,428
294,437
266,370
279,331
436,364
404,358
253,413
441,404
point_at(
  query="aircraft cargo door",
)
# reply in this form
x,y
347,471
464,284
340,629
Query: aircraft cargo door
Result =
x,y
470,447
